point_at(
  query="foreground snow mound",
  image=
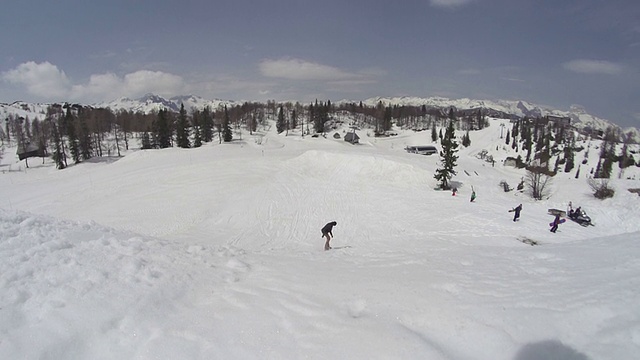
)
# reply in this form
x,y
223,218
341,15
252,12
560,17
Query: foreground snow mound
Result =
x,y
72,290
81,291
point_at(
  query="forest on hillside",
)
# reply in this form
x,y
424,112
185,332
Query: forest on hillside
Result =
x,y
71,133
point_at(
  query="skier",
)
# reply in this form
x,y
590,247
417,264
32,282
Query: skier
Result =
x,y
473,194
326,233
555,223
517,210
454,190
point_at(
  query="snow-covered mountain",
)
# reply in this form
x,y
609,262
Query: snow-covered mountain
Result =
x,y
151,102
23,109
579,116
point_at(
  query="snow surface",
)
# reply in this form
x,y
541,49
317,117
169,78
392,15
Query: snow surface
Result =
x,y
216,252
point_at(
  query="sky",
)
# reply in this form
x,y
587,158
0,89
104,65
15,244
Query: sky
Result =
x,y
555,53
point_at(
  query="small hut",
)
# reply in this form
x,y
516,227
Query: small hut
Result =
x,y
352,137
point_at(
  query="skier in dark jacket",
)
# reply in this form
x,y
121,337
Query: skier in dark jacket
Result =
x,y
326,233
517,210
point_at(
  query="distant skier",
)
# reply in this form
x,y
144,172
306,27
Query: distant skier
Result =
x,y
326,233
473,194
517,210
454,190
555,223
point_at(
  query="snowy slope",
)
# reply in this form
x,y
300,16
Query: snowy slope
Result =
x,y
216,252
579,117
22,109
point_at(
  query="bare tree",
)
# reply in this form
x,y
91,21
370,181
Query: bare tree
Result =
x,y
601,188
538,180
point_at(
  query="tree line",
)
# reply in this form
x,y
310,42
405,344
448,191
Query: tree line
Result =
x,y
74,133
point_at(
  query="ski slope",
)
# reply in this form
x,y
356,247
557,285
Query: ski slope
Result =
x,y
216,252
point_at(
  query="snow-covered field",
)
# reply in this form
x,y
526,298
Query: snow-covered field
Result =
x,y
216,253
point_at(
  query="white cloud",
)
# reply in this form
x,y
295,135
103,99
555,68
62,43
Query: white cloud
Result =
x,y
296,69
585,66
449,3
40,79
100,86
158,82
50,83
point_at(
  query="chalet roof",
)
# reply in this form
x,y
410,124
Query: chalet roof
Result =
x,y
351,136
29,148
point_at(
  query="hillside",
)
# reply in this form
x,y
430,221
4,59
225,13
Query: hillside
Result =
x,y
517,109
215,252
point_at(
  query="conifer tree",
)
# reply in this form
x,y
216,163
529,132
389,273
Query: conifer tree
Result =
x,y
569,156
623,162
546,149
434,134
386,119
182,129
540,139
294,119
74,146
58,154
146,141
115,134
85,139
312,115
197,130
280,122
163,130
527,142
515,129
227,135
253,123
321,113
607,154
598,172
207,124
448,157
466,139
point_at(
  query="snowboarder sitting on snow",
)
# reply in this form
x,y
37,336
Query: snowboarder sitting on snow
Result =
x,y
326,233
517,210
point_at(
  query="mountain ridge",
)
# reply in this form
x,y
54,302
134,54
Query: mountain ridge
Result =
x,y
514,108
